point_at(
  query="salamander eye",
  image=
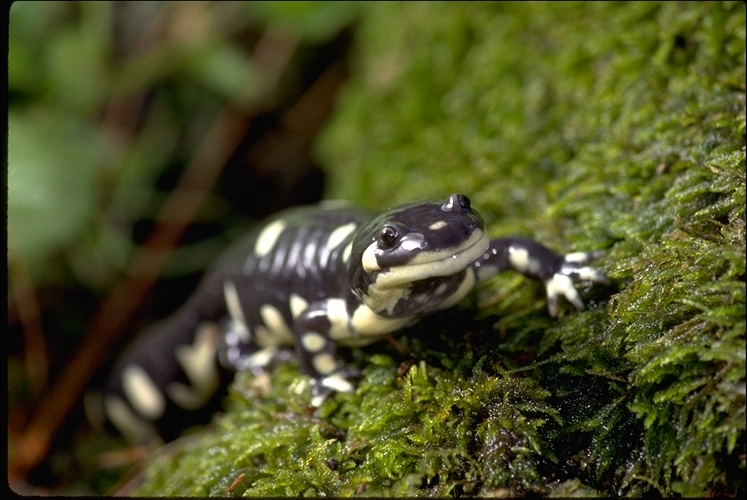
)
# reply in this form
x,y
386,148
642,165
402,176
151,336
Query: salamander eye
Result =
x,y
387,236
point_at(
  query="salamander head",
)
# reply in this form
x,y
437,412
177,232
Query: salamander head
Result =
x,y
412,258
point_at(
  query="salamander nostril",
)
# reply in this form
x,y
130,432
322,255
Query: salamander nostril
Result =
x,y
463,201
454,200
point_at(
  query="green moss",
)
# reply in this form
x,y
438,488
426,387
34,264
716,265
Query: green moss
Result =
x,y
597,125
397,435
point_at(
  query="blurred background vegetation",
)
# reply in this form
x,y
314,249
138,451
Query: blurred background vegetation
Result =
x,y
143,137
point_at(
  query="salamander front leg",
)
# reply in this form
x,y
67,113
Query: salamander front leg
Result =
x,y
317,354
237,348
559,273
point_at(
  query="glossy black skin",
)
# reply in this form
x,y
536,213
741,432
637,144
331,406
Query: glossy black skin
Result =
x,y
300,264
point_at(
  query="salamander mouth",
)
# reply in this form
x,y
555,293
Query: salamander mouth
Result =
x,y
435,264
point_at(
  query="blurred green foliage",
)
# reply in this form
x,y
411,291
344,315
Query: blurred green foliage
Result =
x,y
73,200
312,21
586,125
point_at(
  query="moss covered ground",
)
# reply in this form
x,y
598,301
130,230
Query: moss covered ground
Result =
x,y
615,126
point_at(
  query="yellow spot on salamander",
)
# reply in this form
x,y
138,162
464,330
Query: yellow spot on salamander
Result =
x,y
142,392
268,237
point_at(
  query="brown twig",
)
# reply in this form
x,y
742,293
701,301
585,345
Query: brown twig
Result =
x,y
29,315
216,147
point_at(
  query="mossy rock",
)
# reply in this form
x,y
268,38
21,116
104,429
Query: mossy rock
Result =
x,y
616,126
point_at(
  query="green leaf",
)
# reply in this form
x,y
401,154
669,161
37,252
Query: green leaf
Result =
x,y
51,182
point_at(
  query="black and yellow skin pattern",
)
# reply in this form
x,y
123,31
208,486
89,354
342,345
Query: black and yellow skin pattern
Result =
x,y
313,279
